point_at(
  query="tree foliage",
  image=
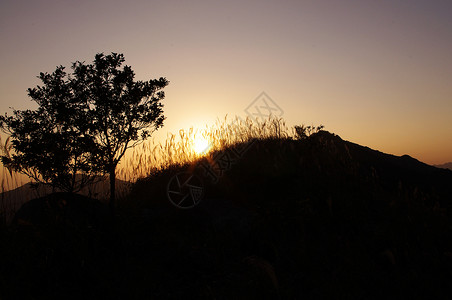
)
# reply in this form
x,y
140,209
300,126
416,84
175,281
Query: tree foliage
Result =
x,y
47,146
84,123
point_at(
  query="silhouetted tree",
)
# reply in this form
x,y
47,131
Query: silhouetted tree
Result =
x,y
47,146
117,111
95,114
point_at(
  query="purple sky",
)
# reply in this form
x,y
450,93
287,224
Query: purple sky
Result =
x,y
378,73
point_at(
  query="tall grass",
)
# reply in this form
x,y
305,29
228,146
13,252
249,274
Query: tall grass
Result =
x,y
178,149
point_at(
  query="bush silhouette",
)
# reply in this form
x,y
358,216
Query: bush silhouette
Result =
x,y
301,131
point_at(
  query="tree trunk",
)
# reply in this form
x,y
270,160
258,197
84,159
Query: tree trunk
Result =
x,y
112,188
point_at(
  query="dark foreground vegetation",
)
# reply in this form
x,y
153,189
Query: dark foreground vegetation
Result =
x,y
290,219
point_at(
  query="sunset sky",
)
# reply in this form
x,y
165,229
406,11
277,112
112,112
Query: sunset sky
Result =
x,y
377,73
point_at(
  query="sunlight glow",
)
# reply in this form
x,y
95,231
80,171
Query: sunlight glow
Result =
x,y
200,145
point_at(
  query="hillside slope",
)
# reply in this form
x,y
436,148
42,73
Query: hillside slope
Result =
x,y
315,218
331,218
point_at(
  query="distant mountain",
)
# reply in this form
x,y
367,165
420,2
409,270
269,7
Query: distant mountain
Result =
x,y
445,166
12,200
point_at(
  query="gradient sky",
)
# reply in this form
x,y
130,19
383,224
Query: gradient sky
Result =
x,y
378,73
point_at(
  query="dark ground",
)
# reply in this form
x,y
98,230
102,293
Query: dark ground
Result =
x,y
317,218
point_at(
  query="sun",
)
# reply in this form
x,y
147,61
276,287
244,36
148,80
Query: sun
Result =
x,y
200,145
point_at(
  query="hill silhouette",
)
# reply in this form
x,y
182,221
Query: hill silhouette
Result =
x,y
445,166
313,218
